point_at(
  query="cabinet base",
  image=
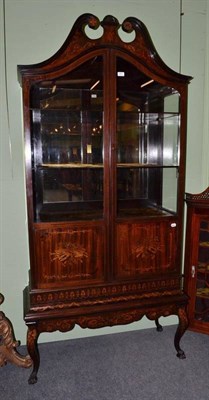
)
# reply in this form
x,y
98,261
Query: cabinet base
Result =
x,y
97,317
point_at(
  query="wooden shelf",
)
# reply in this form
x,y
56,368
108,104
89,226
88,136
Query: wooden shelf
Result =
x,y
203,293
204,244
71,165
120,165
204,269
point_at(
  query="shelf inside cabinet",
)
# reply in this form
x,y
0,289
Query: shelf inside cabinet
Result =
x,y
143,165
143,212
203,268
70,165
120,165
203,293
204,244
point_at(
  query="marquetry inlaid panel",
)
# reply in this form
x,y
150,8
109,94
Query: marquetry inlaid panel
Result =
x,y
145,248
103,294
68,255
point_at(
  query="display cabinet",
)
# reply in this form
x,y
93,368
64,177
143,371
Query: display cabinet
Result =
x,y
105,138
197,260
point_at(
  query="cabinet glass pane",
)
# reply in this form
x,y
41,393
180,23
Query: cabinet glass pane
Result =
x,y
202,289
67,145
147,143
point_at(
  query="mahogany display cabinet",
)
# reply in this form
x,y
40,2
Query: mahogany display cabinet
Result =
x,y
105,140
197,260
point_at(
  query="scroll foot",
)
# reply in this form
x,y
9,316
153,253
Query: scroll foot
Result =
x,y
180,354
33,378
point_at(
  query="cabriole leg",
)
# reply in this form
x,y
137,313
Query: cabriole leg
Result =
x,y
158,326
183,324
32,344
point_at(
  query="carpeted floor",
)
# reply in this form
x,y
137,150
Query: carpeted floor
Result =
x,y
138,365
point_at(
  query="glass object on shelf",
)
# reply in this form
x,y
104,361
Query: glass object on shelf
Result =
x,y
202,286
67,145
147,142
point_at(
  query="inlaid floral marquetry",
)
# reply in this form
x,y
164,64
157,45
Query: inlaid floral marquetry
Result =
x,y
141,249
147,248
69,254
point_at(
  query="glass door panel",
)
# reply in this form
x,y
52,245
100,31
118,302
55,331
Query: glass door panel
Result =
x,y
147,144
67,146
202,286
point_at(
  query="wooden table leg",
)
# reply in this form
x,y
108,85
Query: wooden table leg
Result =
x,y
183,324
32,344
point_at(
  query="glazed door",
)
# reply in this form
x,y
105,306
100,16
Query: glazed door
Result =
x,y
68,146
147,163
69,164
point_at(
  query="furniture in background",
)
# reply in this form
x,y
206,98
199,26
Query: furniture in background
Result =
x,y
197,260
105,139
8,344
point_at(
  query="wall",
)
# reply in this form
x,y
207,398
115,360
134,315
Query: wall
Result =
x,y
34,30
194,58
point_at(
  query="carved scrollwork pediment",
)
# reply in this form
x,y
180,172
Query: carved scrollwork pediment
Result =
x,y
78,43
